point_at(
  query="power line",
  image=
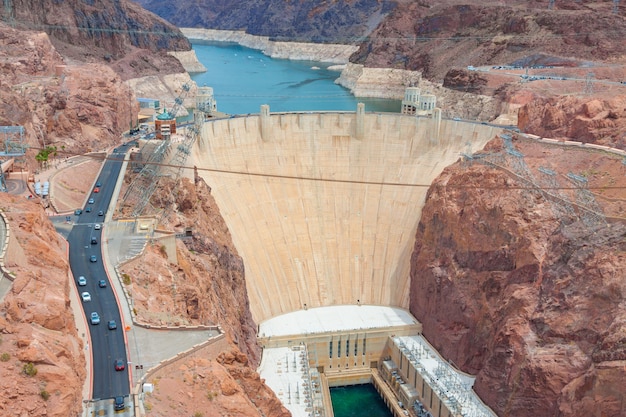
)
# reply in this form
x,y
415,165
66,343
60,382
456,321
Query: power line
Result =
x,y
347,40
348,181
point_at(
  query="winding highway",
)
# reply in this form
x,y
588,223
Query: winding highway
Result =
x,y
107,345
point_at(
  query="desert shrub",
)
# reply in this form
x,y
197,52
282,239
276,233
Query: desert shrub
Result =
x,y
126,279
29,369
5,357
44,394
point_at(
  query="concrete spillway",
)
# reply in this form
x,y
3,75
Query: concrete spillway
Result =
x,y
322,208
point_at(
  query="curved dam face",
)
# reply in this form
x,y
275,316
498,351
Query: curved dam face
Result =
x,y
323,207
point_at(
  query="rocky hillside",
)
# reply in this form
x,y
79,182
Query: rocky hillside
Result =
x,y
106,29
601,120
76,108
210,288
337,21
524,289
42,364
209,276
434,37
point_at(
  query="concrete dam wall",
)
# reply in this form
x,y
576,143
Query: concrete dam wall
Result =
x,y
323,207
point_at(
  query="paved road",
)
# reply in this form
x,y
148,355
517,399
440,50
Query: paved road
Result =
x,y
107,345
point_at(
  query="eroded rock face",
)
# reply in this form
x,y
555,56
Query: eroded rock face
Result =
x,y
106,29
210,289
36,322
77,108
209,277
531,302
433,37
214,381
596,119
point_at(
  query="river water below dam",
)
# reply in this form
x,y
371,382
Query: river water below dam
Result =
x,y
243,79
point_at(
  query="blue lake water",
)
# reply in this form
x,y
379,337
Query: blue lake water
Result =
x,y
243,79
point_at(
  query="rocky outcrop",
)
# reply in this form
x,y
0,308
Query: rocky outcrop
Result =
x,y
108,28
189,61
36,323
433,37
215,381
586,119
75,107
302,21
530,300
206,286
464,80
209,277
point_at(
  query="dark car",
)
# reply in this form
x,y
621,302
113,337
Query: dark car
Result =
x,y
87,209
119,403
102,283
94,240
112,325
98,184
119,365
93,258
78,212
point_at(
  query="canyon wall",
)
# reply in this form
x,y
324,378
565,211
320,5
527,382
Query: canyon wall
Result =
x,y
523,287
327,52
42,363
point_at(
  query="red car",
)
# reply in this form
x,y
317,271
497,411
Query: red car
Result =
x,y
96,190
119,365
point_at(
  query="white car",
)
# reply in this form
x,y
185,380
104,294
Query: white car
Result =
x,y
95,318
86,296
82,281
97,226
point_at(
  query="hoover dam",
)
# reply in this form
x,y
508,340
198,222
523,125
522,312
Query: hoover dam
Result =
x,y
323,207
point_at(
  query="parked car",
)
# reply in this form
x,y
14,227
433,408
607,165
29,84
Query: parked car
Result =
x,y
95,318
112,325
82,281
102,283
93,258
119,365
86,296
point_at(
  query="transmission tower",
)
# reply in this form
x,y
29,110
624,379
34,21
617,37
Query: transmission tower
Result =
x,y
589,83
8,12
178,101
551,188
14,145
591,212
141,188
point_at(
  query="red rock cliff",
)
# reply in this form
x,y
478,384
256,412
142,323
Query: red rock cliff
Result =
x,y
532,302
36,322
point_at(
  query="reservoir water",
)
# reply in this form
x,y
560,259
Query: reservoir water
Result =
x,y
243,79
358,401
